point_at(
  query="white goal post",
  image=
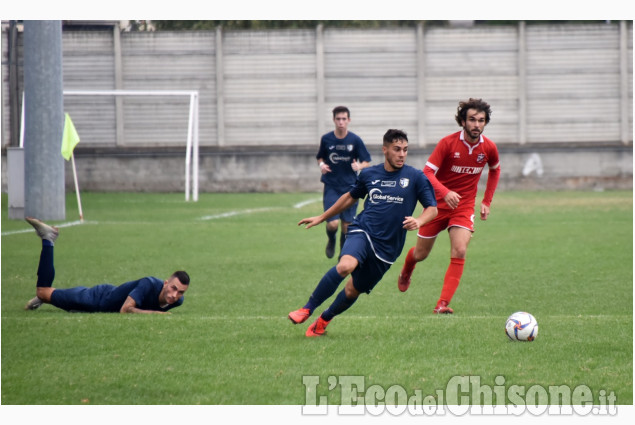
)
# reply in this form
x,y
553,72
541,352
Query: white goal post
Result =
x,y
191,153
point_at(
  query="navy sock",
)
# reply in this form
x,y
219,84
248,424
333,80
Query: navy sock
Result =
x,y
325,288
46,270
340,305
331,235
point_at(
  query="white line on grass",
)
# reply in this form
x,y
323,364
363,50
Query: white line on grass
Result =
x,y
234,213
255,210
206,217
307,202
30,229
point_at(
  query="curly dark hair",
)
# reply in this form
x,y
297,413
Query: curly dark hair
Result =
x,y
478,104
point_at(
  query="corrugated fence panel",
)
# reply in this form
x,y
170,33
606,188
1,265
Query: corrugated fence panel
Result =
x,y
169,61
471,62
269,124
573,83
374,73
629,62
502,127
6,116
370,120
88,63
270,88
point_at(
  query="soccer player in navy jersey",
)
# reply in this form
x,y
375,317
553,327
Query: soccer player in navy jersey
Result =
x,y
454,169
377,235
342,154
146,295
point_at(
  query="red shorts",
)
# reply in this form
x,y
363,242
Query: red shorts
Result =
x,y
462,216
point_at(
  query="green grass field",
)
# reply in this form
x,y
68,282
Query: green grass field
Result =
x,y
566,257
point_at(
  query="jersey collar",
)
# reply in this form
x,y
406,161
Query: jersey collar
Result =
x,y
470,146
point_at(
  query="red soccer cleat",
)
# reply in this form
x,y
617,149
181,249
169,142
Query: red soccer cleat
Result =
x,y
442,308
317,328
404,282
299,316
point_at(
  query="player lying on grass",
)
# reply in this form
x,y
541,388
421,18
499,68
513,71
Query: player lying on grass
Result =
x,y
377,235
146,295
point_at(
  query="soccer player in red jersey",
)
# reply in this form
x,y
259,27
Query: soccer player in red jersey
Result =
x,y
454,169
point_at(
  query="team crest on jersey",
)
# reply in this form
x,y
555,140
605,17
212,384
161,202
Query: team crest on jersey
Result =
x,y
404,183
349,148
480,157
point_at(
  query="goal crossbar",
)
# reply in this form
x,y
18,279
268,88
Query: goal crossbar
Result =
x,y
191,153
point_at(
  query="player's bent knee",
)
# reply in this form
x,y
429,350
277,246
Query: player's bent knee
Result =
x,y
459,252
420,255
346,265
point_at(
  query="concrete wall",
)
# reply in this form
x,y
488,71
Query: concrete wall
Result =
x,y
286,170
547,83
563,91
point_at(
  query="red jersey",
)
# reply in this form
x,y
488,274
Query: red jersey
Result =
x,y
457,165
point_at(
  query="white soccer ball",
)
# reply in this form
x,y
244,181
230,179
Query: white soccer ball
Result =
x,y
521,326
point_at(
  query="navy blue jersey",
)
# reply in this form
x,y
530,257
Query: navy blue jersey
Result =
x,y
107,298
144,291
339,154
390,198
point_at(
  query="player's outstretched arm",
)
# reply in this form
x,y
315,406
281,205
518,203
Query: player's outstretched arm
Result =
x,y
345,201
130,306
311,221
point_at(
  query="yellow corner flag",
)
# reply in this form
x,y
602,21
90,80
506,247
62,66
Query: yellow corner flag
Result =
x,y
70,139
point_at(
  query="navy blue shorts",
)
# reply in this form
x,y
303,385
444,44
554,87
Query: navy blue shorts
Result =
x,y
370,269
330,196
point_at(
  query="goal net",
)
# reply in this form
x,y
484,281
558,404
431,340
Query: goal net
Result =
x,y
191,139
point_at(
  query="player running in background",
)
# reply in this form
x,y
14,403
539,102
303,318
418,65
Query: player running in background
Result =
x,y
377,235
341,156
454,169
146,295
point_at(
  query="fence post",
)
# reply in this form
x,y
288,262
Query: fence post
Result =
x,y
421,90
220,88
118,63
319,63
625,129
522,83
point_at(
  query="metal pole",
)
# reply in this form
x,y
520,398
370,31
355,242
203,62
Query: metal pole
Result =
x,y
14,91
44,120
195,153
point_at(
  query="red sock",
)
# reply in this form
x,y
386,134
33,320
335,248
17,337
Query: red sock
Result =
x,y
410,263
452,279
